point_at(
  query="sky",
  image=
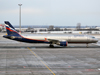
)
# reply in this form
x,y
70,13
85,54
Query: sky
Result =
x,y
51,12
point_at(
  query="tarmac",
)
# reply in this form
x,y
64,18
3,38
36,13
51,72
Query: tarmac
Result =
x,y
17,58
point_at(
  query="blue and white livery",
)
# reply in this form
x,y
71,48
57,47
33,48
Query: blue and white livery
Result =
x,y
61,40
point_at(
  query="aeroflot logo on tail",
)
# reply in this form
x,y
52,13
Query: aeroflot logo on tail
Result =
x,y
8,28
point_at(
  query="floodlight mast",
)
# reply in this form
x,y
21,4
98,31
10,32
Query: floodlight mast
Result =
x,y
20,17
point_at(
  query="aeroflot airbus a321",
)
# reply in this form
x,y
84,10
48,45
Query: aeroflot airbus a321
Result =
x,y
61,40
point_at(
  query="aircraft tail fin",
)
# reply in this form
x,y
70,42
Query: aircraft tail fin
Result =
x,y
11,30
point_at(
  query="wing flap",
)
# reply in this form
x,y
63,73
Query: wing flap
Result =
x,y
54,41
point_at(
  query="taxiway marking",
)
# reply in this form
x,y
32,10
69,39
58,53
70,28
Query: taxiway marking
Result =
x,y
42,62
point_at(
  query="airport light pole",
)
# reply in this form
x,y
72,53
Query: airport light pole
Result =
x,y
20,17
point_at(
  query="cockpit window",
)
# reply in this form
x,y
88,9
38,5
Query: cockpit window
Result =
x,y
93,37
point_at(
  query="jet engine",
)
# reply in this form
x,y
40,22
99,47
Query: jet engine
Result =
x,y
63,43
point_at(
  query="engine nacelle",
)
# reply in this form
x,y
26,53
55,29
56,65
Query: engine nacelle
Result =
x,y
63,43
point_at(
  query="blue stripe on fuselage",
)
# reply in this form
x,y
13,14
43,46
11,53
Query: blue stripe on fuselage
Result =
x,y
30,40
33,41
22,39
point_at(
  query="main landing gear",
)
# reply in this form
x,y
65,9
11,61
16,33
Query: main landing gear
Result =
x,y
51,46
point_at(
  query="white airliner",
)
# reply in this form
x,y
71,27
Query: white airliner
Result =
x,y
61,40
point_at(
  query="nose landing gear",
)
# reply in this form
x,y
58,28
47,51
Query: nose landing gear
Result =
x,y
87,45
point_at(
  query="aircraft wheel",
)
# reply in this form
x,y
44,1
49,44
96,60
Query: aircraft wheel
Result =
x,y
51,46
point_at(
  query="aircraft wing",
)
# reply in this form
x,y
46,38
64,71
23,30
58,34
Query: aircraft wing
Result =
x,y
58,42
53,40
